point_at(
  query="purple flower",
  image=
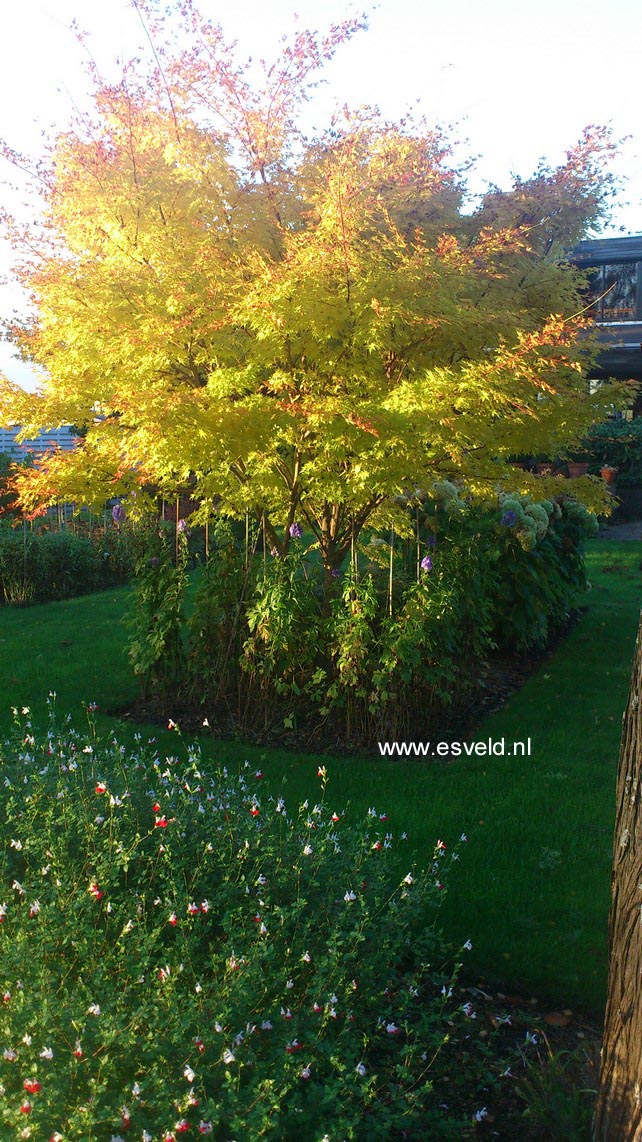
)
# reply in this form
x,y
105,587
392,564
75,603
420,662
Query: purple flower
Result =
x,y
182,525
509,519
118,513
296,531
335,572
426,563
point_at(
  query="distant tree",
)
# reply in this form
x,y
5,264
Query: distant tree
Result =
x,y
302,329
9,468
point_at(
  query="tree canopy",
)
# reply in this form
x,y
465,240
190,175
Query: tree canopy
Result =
x,y
305,329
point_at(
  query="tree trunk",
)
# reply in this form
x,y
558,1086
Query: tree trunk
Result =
x,y
618,1116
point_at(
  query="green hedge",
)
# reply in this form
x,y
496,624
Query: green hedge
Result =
x,y
41,567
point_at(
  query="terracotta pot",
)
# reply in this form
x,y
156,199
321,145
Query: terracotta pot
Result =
x,y
609,474
577,469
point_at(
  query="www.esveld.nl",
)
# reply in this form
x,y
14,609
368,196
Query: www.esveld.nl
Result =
x,y
492,747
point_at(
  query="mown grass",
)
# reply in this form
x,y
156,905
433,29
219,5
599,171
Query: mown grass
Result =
x,y
532,889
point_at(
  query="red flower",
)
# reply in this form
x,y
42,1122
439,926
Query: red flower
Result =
x,y
25,1108
161,823
156,807
32,1086
255,811
95,891
101,787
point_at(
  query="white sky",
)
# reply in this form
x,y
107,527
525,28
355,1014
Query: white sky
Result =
x,y
519,80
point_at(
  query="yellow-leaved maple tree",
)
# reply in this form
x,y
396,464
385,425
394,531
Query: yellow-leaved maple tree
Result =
x,y
302,329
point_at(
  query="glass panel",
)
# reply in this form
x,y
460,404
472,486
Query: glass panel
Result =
x,y
619,284
595,289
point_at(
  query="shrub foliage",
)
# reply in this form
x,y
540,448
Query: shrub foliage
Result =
x,y
184,952
402,637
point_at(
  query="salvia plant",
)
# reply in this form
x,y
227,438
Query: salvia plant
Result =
x,y
185,953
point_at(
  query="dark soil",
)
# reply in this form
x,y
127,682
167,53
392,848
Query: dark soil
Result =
x,y
549,1092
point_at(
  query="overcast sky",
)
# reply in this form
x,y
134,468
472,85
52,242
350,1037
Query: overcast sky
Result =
x,y
519,81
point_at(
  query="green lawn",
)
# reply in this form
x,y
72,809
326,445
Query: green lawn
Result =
x,y
532,888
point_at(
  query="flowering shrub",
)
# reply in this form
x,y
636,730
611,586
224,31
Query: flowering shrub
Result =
x,y
541,572
185,953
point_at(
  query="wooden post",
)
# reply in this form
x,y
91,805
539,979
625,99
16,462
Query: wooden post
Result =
x,y
618,1115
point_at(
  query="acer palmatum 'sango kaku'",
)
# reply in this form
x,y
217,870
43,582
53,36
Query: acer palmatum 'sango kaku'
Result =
x,y
305,329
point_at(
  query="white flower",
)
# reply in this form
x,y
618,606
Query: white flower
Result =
x,y
480,1115
93,1009
468,946
349,897
307,957
9,1054
266,1025
360,1069
289,985
27,1040
17,845
205,1127
307,850
46,1053
469,1011
189,1074
409,879
228,1056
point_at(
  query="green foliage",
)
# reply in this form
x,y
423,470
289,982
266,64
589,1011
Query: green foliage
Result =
x,y
40,565
157,651
184,952
558,1105
217,624
284,621
540,569
410,625
617,444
